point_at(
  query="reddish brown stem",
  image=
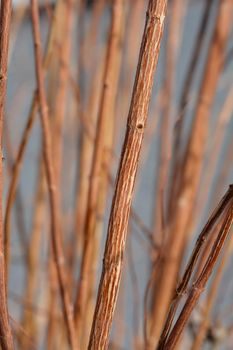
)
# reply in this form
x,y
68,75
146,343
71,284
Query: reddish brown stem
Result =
x,y
121,204
181,289
6,340
200,283
22,147
108,96
182,216
178,131
51,180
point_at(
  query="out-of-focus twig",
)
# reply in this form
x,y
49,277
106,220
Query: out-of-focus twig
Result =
x,y
50,175
6,340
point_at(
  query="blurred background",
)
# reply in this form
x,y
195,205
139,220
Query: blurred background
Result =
x,y
186,161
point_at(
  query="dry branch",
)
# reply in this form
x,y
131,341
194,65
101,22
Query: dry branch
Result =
x,y
182,288
200,283
181,219
121,204
23,145
51,180
6,340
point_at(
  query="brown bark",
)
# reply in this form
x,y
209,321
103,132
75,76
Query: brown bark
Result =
x,y
199,285
51,180
203,237
121,204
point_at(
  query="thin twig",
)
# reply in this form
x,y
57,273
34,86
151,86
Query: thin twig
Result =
x,y
6,340
199,284
51,180
182,288
108,95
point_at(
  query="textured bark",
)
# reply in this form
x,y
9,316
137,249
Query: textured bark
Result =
x,y
205,234
119,217
134,24
199,285
191,171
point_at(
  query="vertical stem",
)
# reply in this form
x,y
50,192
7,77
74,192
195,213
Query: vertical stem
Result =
x,y
108,96
24,142
6,340
29,318
175,23
64,49
51,180
121,204
107,113
197,49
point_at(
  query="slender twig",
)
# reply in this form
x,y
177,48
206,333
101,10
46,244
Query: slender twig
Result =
x,y
179,125
19,212
181,219
6,340
210,299
23,145
49,169
181,289
215,151
108,96
86,153
64,49
176,10
199,285
29,318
